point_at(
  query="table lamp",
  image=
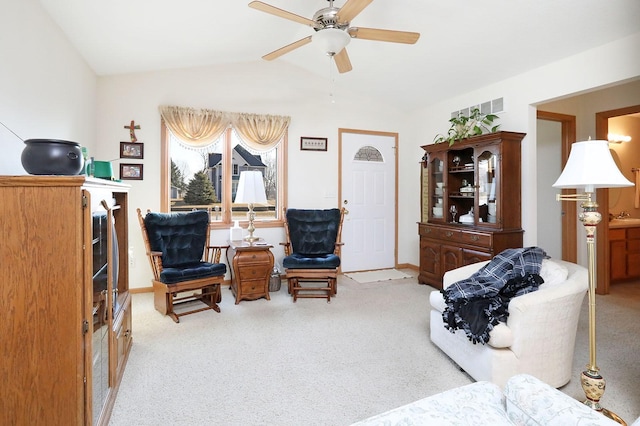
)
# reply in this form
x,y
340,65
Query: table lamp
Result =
x,y
251,190
590,166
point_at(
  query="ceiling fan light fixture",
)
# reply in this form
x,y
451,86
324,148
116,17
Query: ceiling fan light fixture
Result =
x,y
331,40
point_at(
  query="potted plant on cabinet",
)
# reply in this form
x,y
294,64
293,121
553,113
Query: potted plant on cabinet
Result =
x,y
463,127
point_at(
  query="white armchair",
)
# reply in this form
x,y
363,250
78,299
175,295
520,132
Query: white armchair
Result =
x,y
538,337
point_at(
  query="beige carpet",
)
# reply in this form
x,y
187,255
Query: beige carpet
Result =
x,y
379,275
316,363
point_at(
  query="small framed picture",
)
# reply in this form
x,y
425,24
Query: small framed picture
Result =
x,y
131,171
131,150
313,144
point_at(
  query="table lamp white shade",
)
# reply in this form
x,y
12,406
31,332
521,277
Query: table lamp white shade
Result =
x,y
590,165
251,188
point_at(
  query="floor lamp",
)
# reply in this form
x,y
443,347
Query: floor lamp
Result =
x,y
590,166
250,191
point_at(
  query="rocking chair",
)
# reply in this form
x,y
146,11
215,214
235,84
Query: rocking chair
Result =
x,y
312,251
175,244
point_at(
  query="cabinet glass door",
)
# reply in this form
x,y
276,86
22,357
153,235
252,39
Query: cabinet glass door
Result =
x,y
436,187
100,326
487,188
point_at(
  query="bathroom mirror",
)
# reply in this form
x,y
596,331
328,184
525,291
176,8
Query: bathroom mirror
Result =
x,y
614,193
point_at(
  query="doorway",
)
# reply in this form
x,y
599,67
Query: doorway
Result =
x,y
602,195
367,162
563,131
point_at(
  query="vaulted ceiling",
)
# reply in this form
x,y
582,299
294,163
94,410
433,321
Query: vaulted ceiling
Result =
x,y
464,44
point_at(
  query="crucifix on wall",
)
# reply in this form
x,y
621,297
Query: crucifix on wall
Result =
x,y
132,130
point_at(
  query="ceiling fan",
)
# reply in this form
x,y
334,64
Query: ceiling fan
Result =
x,y
333,30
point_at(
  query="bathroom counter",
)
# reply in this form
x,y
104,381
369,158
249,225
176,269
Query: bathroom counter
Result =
x,y
624,223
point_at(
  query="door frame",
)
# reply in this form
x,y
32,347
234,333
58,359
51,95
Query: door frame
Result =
x,y
603,273
569,208
394,135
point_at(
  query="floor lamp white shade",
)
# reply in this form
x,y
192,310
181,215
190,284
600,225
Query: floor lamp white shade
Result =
x,y
590,166
251,190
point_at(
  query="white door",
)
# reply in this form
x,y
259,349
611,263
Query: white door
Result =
x,y
368,192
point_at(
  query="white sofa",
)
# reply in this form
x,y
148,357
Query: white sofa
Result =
x,y
525,401
538,337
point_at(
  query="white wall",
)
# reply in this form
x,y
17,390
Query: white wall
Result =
x,y
46,88
256,87
573,75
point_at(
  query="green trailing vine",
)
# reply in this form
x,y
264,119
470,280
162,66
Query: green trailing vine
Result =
x,y
463,127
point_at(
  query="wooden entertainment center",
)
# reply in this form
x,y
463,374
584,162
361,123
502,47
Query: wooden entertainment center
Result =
x,y
66,331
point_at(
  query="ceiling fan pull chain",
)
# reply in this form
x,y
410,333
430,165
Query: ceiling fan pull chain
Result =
x,y
332,81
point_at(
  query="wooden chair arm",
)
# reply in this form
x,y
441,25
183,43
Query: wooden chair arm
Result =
x,y
287,248
155,260
214,253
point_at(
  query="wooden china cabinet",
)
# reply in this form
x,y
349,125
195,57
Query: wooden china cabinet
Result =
x,y
66,331
470,201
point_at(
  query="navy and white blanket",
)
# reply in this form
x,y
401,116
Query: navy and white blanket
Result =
x,y
481,301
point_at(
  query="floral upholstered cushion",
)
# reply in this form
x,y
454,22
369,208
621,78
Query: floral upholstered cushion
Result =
x,y
531,402
479,403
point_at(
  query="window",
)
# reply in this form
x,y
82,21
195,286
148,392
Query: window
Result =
x,y
207,177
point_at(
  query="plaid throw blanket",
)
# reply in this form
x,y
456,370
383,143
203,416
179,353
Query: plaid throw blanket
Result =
x,y
479,302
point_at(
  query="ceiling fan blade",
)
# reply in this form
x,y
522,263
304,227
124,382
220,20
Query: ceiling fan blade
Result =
x,y
286,49
351,9
384,35
258,5
342,61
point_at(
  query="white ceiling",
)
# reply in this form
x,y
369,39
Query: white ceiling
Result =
x,y
464,44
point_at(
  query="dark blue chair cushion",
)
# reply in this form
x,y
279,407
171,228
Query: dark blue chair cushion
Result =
x,y
313,232
313,235
300,261
181,237
192,272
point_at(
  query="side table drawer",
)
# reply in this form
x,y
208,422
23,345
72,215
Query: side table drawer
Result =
x,y
252,287
248,272
254,257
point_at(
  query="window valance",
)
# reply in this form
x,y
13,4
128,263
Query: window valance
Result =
x,y
200,127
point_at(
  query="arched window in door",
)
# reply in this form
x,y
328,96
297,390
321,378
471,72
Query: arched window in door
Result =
x,y
368,153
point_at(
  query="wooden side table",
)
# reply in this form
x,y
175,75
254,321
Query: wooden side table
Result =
x,y
252,265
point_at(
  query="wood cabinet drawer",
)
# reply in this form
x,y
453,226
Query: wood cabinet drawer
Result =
x,y
426,230
632,233
251,287
476,239
617,234
254,272
253,257
448,234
